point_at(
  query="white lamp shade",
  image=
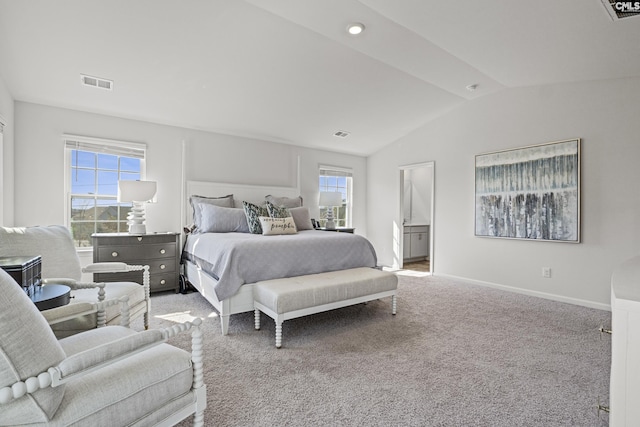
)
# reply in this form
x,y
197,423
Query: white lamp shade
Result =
x,y
136,191
330,198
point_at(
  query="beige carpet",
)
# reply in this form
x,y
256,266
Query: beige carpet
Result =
x,y
454,355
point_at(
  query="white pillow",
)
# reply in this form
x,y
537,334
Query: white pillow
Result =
x,y
273,226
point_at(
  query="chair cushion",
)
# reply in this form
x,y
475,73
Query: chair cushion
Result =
x,y
113,290
127,390
27,348
54,243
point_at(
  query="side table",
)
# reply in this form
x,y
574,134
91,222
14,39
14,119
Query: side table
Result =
x,y
51,296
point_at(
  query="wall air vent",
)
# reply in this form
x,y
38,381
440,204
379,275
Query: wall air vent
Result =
x,y
341,134
96,82
618,10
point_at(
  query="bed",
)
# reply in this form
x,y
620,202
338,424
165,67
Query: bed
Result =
x,y
223,266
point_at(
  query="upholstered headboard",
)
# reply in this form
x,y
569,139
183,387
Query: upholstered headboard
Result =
x,y
250,193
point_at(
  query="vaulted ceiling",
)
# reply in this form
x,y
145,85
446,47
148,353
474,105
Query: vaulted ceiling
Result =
x,y
287,70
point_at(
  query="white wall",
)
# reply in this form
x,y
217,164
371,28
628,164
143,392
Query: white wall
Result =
x,y
6,157
604,114
39,163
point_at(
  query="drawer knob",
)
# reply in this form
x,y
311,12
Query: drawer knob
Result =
x,y
114,254
163,251
162,267
162,282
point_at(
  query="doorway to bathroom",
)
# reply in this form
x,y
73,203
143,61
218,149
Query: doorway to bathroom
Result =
x,y
416,212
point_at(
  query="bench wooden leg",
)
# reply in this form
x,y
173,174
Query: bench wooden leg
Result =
x,y
393,304
256,318
278,335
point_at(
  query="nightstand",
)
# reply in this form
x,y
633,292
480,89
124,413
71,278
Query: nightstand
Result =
x,y
339,229
160,251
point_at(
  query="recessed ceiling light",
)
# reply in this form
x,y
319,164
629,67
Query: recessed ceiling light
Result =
x,y
355,28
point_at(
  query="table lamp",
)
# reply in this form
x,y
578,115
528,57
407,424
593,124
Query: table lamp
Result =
x,y
137,192
329,199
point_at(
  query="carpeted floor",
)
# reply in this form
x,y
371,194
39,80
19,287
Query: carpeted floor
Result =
x,y
455,355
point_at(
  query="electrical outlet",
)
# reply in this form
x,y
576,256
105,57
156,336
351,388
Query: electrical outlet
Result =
x,y
546,272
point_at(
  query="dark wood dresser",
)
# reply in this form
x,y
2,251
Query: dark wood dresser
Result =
x,y
160,251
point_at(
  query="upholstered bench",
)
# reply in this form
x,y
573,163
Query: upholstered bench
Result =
x,y
292,297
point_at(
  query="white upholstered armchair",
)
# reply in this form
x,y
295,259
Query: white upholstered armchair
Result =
x,y
111,376
61,264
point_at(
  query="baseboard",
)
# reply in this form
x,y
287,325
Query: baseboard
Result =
x,y
559,298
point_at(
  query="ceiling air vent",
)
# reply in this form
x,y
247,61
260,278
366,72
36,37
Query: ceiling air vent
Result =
x,y
341,134
96,82
618,10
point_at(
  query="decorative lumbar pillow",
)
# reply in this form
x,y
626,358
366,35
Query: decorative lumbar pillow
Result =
x,y
215,219
302,218
277,211
273,226
287,202
253,214
224,202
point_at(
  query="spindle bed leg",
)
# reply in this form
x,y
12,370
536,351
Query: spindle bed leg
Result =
x,y
278,335
256,318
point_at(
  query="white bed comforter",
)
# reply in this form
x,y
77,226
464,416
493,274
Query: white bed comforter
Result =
x,y
234,259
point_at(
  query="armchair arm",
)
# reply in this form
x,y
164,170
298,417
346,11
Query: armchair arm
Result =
x,y
106,354
109,352
106,267
90,360
75,285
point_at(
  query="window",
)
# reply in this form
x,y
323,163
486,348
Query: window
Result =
x,y
341,180
93,169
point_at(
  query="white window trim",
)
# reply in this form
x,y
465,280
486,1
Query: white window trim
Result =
x,y
348,172
123,148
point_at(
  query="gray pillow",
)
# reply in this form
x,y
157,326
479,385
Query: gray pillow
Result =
x,y
224,201
287,202
216,219
302,218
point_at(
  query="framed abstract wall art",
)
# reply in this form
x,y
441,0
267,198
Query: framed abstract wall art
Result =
x,y
530,193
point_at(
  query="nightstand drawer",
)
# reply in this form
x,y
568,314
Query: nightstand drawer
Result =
x,y
118,253
157,282
163,282
157,266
